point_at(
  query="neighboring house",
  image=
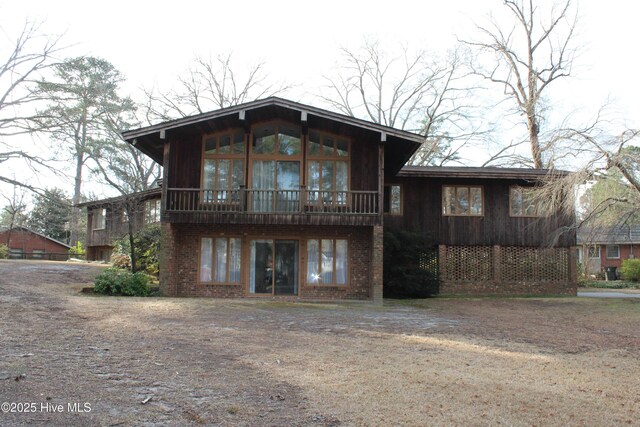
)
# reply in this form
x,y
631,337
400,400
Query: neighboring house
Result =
x,y
274,198
607,247
24,243
107,220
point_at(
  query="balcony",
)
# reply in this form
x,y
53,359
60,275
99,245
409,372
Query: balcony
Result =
x,y
272,206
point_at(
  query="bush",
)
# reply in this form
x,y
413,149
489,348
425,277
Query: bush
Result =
x,y
410,266
631,269
121,261
146,242
4,251
116,281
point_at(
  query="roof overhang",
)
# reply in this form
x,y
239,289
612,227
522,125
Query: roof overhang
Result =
x,y
399,145
481,173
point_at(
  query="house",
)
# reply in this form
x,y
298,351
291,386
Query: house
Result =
x,y
605,247
274,198
108,220
24,243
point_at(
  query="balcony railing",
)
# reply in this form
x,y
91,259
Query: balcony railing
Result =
x,y
272,201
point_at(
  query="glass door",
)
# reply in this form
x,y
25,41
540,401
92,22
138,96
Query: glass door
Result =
x,y
274,267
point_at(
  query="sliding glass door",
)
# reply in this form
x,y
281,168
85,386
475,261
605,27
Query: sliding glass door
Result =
x,y
274,267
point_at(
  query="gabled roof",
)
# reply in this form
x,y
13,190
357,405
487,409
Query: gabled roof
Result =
x,y
150,139
624,234
480,172
28,230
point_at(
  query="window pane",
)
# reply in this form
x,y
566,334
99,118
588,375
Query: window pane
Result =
x,y
327,175
289,141
288,182
210,146
529,202
462,200
395,199
223,178
449,203
341,261
221,260
516,201
205,259
327,261
613,251
327,146
342,182
313,180
264,140
235,252
225,145
209,174
314,143
476,201
263,176
237,176
238,143
342,147
313,275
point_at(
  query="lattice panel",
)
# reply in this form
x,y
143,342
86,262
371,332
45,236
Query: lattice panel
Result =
x,y
429,262
468,263
534,264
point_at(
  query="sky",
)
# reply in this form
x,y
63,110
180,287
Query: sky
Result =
x,y
151,42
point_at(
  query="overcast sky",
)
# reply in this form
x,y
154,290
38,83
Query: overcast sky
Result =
x,y
152,41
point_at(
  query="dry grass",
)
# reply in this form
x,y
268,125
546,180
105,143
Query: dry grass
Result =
x,y
564,361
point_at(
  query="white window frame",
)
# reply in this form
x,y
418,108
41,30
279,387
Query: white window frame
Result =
x,y
618,251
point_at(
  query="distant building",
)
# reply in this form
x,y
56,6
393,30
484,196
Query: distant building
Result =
x,y
599,248
24,243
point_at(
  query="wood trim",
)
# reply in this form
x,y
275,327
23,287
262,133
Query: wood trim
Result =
x,y
442,200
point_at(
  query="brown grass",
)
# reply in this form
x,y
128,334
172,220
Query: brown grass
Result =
x,y
559,361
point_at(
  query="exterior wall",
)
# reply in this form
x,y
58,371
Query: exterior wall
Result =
x,y
594,266
422,212
181,250
28,242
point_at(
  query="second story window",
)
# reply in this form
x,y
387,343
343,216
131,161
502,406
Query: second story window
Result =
x,y
393,199
522,202
223,166
461,200
152,211
99,219
328,169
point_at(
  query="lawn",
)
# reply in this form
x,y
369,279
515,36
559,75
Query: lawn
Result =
x,y
475,361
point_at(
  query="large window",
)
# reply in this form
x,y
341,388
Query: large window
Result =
x,y
523,202
276,150
152,211
328,169
393,199
220,260
99,219
223,166
327,261
462,201
613,251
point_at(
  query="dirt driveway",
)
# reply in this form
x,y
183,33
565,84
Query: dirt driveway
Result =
x,y
161,361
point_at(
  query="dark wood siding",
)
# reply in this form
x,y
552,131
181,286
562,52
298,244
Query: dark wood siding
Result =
x,y
422,211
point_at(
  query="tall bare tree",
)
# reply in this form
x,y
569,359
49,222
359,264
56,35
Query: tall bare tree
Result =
x,y
525,56
413,91
23,61
82,99
209,84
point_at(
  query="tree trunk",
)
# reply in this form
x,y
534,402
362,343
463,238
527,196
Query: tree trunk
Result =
x,y
536,155
75,210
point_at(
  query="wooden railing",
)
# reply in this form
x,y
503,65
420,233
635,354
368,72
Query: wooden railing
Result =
x,y
272,201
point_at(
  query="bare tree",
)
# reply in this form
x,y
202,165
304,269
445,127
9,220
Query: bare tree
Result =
x,y
411,90
27,58
14,213
525,57
207,85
